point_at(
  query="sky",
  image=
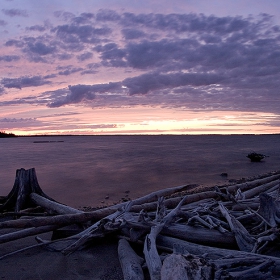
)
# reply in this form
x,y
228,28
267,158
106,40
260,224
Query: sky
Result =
x,y
139,67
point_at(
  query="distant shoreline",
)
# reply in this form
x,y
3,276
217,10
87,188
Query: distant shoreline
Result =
x,y
6,135
154,135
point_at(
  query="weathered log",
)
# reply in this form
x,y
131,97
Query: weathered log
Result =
x,y
244,205
244,240
201,235
65,219
151,254
152,198
130,262
88,233
53,206
211,252
26,232
262,188
256,272
252,184
25,183
194,234
179,267
269,210
228,263
173,202
174,267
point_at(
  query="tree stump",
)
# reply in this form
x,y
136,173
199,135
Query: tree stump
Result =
x,y
19,197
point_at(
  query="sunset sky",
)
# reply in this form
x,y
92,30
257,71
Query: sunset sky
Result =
x,y
139,67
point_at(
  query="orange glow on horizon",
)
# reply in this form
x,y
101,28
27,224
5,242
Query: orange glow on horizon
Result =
x,y
143,120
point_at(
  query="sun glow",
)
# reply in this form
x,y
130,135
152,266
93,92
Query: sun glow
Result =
x,y
136,120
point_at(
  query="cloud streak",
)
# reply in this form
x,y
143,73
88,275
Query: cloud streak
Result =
x,y
22,82
15,13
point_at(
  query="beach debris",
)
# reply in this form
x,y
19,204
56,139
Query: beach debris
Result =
x,y
220,232
256,157
130,262
25,183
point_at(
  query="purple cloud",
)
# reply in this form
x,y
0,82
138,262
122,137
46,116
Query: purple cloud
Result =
x,y
2,90
130,34
81,93
2,22
80,33
154,81
68,70
84,56
107,15
14,42
15,13
39,48
22,82
9,58
39,28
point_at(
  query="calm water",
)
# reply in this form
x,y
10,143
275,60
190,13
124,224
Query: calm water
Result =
x,y
83,170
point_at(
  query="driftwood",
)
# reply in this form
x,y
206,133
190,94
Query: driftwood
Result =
x,y
226,232
131,263
181,267
25,183
52,206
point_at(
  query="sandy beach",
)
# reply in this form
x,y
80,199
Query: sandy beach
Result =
x,y
99,261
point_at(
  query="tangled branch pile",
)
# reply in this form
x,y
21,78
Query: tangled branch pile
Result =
x,y
226,232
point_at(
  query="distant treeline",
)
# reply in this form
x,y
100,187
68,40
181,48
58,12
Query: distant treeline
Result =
x,y
3,134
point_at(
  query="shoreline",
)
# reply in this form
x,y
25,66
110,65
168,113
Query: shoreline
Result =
x,y
98,261
193,188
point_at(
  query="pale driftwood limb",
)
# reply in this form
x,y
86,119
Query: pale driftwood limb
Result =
x,y
26,232
201,235
198,235
130,262
269,209
164,192
227,263
173,213
161,210
211,252
153,198
262,188
198,219
225,196
243,205
239,195
173,202
274,191
52,205
244,240
252,184
217,224
264,240
88,233
58,220
254,272
151,254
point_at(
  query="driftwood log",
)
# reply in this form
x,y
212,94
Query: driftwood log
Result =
x,y
223,232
